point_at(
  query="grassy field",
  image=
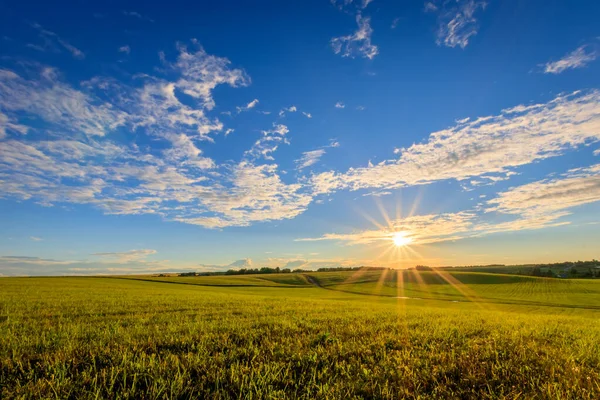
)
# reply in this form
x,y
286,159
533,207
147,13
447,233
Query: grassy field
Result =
x,y
340,335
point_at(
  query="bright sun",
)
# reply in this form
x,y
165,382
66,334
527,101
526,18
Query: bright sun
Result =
x,y
400,239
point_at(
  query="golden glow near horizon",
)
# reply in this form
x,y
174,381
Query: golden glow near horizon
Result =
x,y
400,239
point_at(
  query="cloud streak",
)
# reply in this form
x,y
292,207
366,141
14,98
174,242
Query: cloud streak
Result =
x,y
127,256
53,42
310,158
72,158
489,147
357,44
457,23
578,58
536,205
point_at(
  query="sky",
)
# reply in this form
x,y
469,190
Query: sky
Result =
x,y
146,137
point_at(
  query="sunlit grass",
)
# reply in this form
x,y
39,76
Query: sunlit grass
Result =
x,y
109,338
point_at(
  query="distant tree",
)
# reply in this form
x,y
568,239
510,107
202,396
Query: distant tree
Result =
x,y
423,268
536,271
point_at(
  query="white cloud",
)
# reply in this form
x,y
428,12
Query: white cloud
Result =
x,y
248,106
10,124
429,6
361,108
489,146
310,263
287,109
53,42
395,23
456,21
253,193
597,152
137,15
357,44
125,49
339,104
578,58
575,188
35,266
64,107
309,158
269,142
74,159
535,205
127,256
307,115
421,229
377,194
238,264
312,157
357,4
35,238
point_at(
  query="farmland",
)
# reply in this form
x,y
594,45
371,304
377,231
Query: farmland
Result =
x,y
365,334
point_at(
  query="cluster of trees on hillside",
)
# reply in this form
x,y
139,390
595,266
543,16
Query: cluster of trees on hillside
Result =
x,y
568,269
576,269
277,270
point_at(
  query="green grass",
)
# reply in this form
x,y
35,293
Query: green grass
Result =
x,y
469,287
284,336
230,280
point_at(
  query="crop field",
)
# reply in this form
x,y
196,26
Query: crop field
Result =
x,y
358,334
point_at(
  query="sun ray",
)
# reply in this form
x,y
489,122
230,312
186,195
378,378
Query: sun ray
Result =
x,y
379,205
467,292
380,281
416,202
369,218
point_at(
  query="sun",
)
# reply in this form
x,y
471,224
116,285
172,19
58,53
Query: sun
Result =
x,y
400,239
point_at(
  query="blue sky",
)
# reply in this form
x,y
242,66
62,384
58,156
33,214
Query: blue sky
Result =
x,y
139,137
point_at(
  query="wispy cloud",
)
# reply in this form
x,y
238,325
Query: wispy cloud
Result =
x,y
11,124
351,4
578,58
269,142
574,188
309,158
489,146
238,264
137,15
536,205
248,106
127,256
287,109
35,238
339,104
307,115
104,265
53,42
79,162
312,157
456,21
125,49
358,43
421,229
